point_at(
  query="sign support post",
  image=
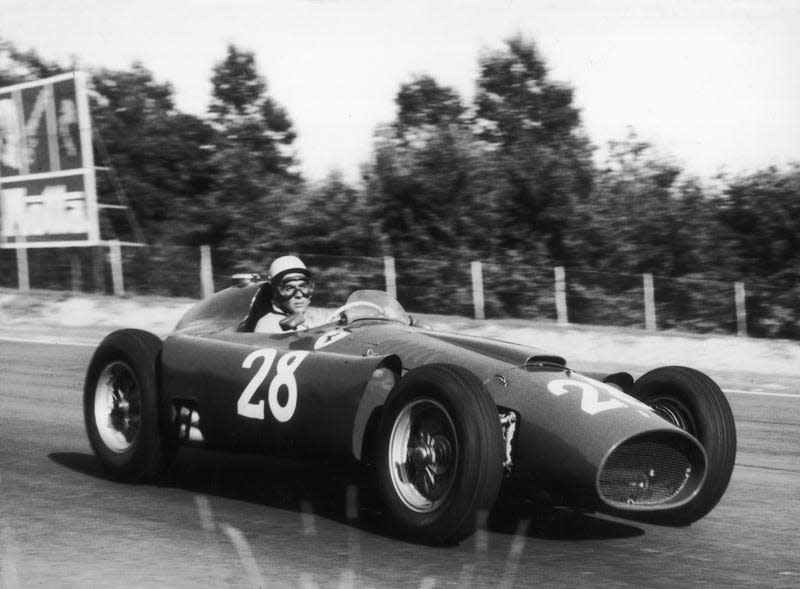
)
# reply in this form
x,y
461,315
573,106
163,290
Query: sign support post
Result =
x,y
23,276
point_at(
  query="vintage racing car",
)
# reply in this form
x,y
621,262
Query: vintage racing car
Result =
x,y
443,418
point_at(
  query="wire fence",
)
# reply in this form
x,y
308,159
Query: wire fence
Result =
x,y
453,287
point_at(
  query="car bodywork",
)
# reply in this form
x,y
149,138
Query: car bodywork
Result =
x,y
320,393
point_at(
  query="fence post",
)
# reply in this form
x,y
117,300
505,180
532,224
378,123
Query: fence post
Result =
x,y
23,275
561,295
115,258
390,274
98,268
477,289
206,271
649,303
75,271
741,309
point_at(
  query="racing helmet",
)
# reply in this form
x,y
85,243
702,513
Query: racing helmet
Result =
x,y
286,265
288,275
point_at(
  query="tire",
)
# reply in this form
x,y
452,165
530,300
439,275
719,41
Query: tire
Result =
x,y
128,427
692,401
440,453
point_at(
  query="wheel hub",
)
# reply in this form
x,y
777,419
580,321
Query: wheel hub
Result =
x,y
117,406
423,451
675,412
432,453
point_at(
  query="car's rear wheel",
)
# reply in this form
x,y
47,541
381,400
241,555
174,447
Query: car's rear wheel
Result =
x,y
440,453
128,429
692,401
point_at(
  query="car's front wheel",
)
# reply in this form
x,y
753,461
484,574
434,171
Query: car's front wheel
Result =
x,y
128,430
440,453
692,401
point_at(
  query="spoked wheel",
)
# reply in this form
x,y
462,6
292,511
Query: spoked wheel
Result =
x,y
674,411
128,425
440,453
118,407
693,402
424,451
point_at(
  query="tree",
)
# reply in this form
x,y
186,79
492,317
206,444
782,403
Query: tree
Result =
x,y
421,181
516,163
257,182
542,158
645,216
332,218
516,101
762,212
161,159
247,116
423,104
18,66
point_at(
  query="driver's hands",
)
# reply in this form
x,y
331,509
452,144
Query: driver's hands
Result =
x,y
292,321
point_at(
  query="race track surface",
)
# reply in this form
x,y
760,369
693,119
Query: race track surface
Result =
x,y
229,521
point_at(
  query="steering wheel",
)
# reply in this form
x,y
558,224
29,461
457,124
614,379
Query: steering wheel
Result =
x,y
352,304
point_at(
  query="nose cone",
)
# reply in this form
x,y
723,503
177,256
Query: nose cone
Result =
x,y
587,440
660,469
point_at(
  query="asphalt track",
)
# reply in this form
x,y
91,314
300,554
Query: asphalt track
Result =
x,y
229,521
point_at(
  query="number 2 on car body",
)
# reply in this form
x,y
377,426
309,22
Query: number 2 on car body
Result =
x,y
589,391
284,377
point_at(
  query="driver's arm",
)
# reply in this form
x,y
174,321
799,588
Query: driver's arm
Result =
x,y
269,323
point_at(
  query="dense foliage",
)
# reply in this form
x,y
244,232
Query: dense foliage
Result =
x,y
509,178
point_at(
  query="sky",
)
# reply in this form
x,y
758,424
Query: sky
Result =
x,y
714,85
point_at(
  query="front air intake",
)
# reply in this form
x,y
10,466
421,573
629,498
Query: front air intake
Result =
x,y
663,468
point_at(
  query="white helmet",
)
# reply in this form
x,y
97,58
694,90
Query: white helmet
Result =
x,y
286,265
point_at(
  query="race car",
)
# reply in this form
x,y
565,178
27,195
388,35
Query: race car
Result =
x,y
442,419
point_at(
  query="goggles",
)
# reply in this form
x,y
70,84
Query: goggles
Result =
x,y
287,289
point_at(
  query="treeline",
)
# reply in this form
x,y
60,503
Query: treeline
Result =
x,y
508,178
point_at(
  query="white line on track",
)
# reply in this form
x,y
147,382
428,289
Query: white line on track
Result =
x,y
761,393
245,556
213,551
514,554
48,341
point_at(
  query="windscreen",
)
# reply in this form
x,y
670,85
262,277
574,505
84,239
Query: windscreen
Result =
x,y
364,304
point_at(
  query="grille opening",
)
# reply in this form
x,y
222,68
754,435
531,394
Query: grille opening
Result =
x,y
653,469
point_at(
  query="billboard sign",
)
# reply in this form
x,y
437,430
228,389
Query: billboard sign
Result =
x,y
47,177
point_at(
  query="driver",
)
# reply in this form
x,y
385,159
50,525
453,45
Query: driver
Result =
x,y
292,286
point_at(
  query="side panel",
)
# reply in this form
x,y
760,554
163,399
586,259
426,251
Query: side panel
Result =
x,y
259,395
